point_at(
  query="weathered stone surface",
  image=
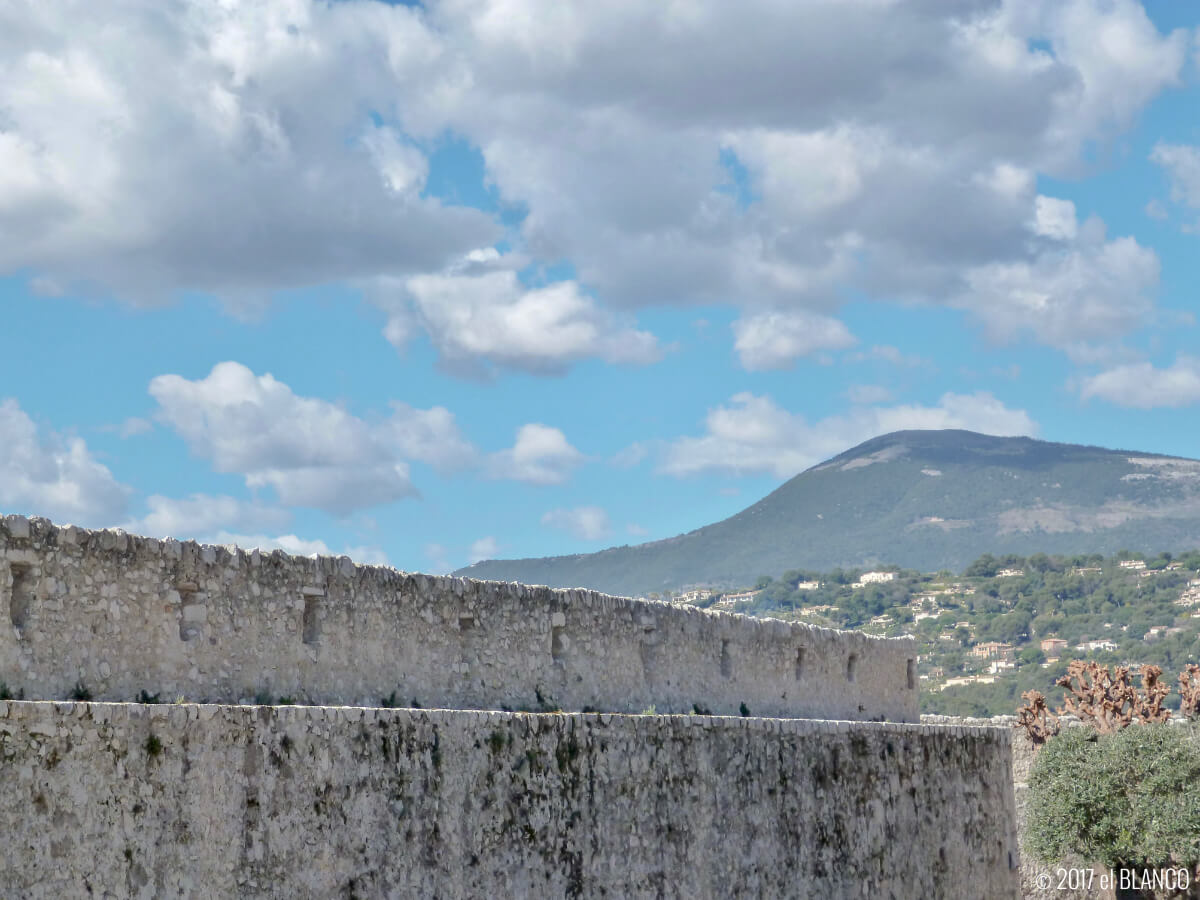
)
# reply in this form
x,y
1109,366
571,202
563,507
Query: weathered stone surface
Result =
x,y
116,800
206,623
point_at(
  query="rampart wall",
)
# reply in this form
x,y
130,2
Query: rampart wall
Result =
x,y
126,800
120,614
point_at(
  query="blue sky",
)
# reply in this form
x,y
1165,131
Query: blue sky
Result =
x,y
433,283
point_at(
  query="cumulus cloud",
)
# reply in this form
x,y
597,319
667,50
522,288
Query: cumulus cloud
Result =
x,y
430,436
1182,164
1144,386
247,164
774,340
484,548
1054,218
588,523
671,154
311,452
491,318
753,435
540,455
44,473
914,164
1091,289
201,515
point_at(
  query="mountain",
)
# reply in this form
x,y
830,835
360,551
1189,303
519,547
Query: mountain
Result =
x,y
925,500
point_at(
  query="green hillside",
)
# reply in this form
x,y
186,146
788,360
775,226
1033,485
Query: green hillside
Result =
x,y
925,500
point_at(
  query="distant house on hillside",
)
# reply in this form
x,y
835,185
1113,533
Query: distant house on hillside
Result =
x,y
877,577
990,649
969,679
695,596
1010,573
808,585
1096,645
1133,564
736,599
1053,645
1190,597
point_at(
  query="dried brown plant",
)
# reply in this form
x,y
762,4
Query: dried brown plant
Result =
x,y
1103,700
1109,701
1148,705
1035,717
1189,691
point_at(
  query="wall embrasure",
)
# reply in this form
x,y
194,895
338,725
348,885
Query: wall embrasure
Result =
x,y
121,614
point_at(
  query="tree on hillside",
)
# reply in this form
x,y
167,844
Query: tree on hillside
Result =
x,y
984,567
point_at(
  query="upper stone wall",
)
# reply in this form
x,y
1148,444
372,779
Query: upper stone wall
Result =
x,y
124,614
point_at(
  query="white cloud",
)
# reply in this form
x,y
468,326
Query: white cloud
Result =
x,y
588,523
1182,163
1092,289
311,452
636,530
905,168
1143,386
429,436
54,475
540,455
754,435
774,340
484,548
492,318
1055,219
201,515
247,164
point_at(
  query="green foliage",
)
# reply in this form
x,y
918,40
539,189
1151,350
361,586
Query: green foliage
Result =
x,y
390,701
701,710
1126,799
497,741
744,710
145,697
153,746
81,692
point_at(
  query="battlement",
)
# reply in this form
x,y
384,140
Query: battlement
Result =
x,y
122,614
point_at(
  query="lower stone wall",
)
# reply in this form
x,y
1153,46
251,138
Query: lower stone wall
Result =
x,y
125,800
1035,876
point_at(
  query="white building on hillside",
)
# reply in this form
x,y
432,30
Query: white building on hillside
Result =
x,y
877,577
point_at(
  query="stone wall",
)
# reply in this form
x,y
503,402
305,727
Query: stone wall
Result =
x,y
120,614
126,800
1021,758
